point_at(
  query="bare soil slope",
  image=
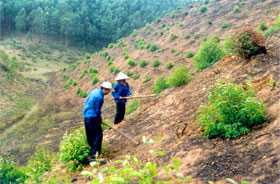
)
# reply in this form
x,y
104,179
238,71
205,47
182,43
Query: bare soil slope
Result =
x,y
171,115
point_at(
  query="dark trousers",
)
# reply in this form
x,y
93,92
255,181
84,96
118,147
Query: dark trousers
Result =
x,y
120,112
94,135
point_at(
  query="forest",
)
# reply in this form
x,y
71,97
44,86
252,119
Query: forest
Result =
x,y
85,22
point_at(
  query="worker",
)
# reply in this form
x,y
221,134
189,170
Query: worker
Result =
x,y
93,119
121,90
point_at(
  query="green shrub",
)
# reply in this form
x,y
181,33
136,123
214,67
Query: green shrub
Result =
x,y
143,63
155,33
225,25
209,22
157,20
236,9
111,46
172,50
169,65
129,73
228,45
75,83
205,1
10,173
68,83
190,54
135,76
131,62
153,47
209,52
93,70
262,27
147,79
83,73
185,13
172,36
242,3
78,91
94,80
247,42
64,69
196,36
155,63
179,76
87,56
269,31
231,111
132,106
74,149
187,36
203,8
159,85
39,163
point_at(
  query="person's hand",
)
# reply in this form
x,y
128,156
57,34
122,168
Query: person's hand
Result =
x,y
120,97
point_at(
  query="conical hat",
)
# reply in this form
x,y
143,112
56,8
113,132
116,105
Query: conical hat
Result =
x,y
121,76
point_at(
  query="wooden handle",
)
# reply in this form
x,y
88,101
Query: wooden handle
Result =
x,y
135,142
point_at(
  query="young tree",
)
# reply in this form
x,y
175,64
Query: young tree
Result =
x,y
21,20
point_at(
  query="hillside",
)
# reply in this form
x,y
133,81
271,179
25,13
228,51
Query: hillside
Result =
x,y
171,115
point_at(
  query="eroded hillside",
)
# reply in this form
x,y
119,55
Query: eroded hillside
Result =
x,y
171,114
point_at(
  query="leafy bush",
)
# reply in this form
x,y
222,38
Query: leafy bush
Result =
x,y
39,163
231,111
228,45
247,42
242,3
94,80
68,83
135,76
134,33
225,25
132,106
128,73
262,27
83,73
169,65
203,8
131,62
209,22
205,1
153,47
159,85
172,50
190,54
185,13
93,70
75,83
196,36
9,173
187,36
209,52
155,63
172,36
236,9
143,63
74,149
147,79
180,76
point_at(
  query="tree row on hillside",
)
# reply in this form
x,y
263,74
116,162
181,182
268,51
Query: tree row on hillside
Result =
x,y
91,22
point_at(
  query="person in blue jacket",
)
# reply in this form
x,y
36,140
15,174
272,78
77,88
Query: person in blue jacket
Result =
x,y
93,118
121,89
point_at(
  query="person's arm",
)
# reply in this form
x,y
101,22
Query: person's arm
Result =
x,y
102,121
115,92
129,93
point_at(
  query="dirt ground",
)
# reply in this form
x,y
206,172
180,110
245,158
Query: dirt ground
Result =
x,y
171,115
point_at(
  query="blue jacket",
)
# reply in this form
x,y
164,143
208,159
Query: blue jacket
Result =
x,y
120,90
93,104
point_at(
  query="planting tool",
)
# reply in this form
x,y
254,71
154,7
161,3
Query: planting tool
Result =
x,y
126,136
140,96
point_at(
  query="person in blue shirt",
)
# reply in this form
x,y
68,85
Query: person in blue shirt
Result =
x,y
93,118
121,89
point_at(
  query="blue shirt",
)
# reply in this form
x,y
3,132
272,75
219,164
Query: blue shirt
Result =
x,y
120,90
93,104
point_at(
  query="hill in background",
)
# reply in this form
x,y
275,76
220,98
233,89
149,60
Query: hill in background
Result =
x,y
171,115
